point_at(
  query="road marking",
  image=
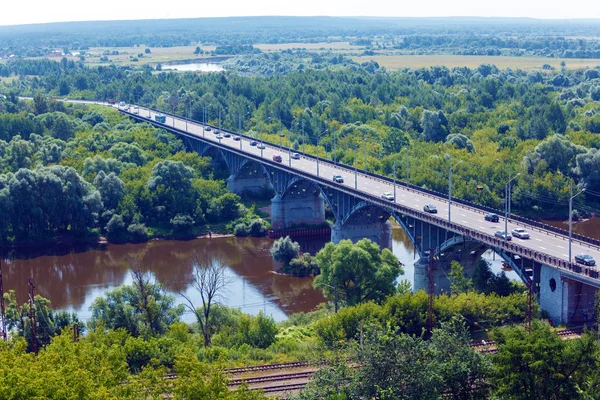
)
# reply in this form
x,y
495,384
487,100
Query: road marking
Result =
x,y
543,248
463,215
560,247
463,221
565,255
482,227
539,240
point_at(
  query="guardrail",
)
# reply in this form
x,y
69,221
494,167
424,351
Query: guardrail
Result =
x,y
430,218
434,194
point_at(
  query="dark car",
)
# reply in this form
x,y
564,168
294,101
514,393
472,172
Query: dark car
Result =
x,y
492,217
227,134
208,128
503,235
277,158
338,179
585,259
430,208
236,138
253,143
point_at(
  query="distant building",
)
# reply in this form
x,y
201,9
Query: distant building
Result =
x,y
56,53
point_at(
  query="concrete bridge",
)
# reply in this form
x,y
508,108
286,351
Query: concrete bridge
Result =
x,y
304,188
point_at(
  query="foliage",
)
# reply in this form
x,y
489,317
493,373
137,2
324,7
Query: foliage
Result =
x,y
359,272
285,250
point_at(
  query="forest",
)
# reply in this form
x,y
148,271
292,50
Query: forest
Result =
x,y
454,35
542,124
79,172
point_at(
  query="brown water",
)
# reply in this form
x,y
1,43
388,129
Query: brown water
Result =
x,y
589,227
72,277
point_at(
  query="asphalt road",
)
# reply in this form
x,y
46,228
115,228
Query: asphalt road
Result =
x,y
541,240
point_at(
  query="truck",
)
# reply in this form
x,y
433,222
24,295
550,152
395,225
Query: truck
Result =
x,y
160,118
111,101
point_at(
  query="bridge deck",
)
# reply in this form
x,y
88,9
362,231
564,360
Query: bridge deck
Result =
x,y
542,241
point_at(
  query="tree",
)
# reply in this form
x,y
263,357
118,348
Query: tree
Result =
x,y
197,51
540,364
285,250
458,282
142,308
40,106
435,126
147,51
394,141
460,141
62,127
112,189
359,272
210,282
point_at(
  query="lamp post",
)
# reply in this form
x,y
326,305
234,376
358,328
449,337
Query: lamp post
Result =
x,y
240,126
205,117
507,202
334,147
335,293
571,217
365,141
450,186
394,180
317,150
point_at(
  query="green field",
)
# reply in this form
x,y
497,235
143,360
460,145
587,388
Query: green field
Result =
x,y
394,62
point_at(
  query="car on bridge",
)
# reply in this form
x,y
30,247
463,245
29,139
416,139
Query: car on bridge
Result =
x,y
503,235
277,158
219,136
227,134
492,217
388,196
122,104
236,138
208,129
295,156
261,146
585,259
253,143
520,233
338,179
430,208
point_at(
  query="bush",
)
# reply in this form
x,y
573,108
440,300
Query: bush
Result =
x,y
115,228
241,230
138,233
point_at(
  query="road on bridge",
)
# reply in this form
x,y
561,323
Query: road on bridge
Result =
x,y
543,241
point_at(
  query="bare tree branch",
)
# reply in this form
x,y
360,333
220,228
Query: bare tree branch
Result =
x,y
210,281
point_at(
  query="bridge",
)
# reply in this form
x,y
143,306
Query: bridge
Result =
x,y
304,187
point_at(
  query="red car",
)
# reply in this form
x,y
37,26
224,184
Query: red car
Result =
x,y
277,158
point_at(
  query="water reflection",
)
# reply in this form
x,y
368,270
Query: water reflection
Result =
x,y
73,277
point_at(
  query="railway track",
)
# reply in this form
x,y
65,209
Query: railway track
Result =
x,y
271,378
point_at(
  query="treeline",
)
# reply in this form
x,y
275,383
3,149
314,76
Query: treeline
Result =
x,y
495,121
78,172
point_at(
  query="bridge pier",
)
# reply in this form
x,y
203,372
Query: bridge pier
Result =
x,y
378,232
566,301
291,211
251,185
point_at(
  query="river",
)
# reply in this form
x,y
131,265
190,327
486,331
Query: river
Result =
x,y
193,67
72,277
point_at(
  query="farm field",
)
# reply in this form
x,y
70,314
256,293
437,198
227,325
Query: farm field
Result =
x,y
394,62
325,46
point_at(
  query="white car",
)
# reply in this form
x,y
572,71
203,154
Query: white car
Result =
x,y
388,196
295,156
261,146
520,233
122,104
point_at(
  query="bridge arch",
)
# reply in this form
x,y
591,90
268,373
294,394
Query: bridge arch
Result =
x,y
249,177
299,202
364,220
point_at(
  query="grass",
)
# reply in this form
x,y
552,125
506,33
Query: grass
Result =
x,y
394,62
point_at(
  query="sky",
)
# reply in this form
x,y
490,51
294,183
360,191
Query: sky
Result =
x,y
39,11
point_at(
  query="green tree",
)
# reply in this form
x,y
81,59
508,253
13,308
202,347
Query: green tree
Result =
x,y
359,272
540,364
458,282
285,250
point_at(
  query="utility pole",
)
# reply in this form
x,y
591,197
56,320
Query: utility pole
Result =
x,y
450,186
571,217
303,138
529,305
507,201
365,140
32,323
431,294
334,148
317,151
2,307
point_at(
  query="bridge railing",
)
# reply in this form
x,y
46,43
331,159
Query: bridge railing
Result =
x,y
430,218
585,240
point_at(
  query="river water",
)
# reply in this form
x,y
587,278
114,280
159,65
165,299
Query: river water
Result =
x,y
193,67
72,277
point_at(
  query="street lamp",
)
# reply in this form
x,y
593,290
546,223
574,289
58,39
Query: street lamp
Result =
x,y
450,185
571,217
317,149
394,180
365,165
335,293
507,201
240,126
205,116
